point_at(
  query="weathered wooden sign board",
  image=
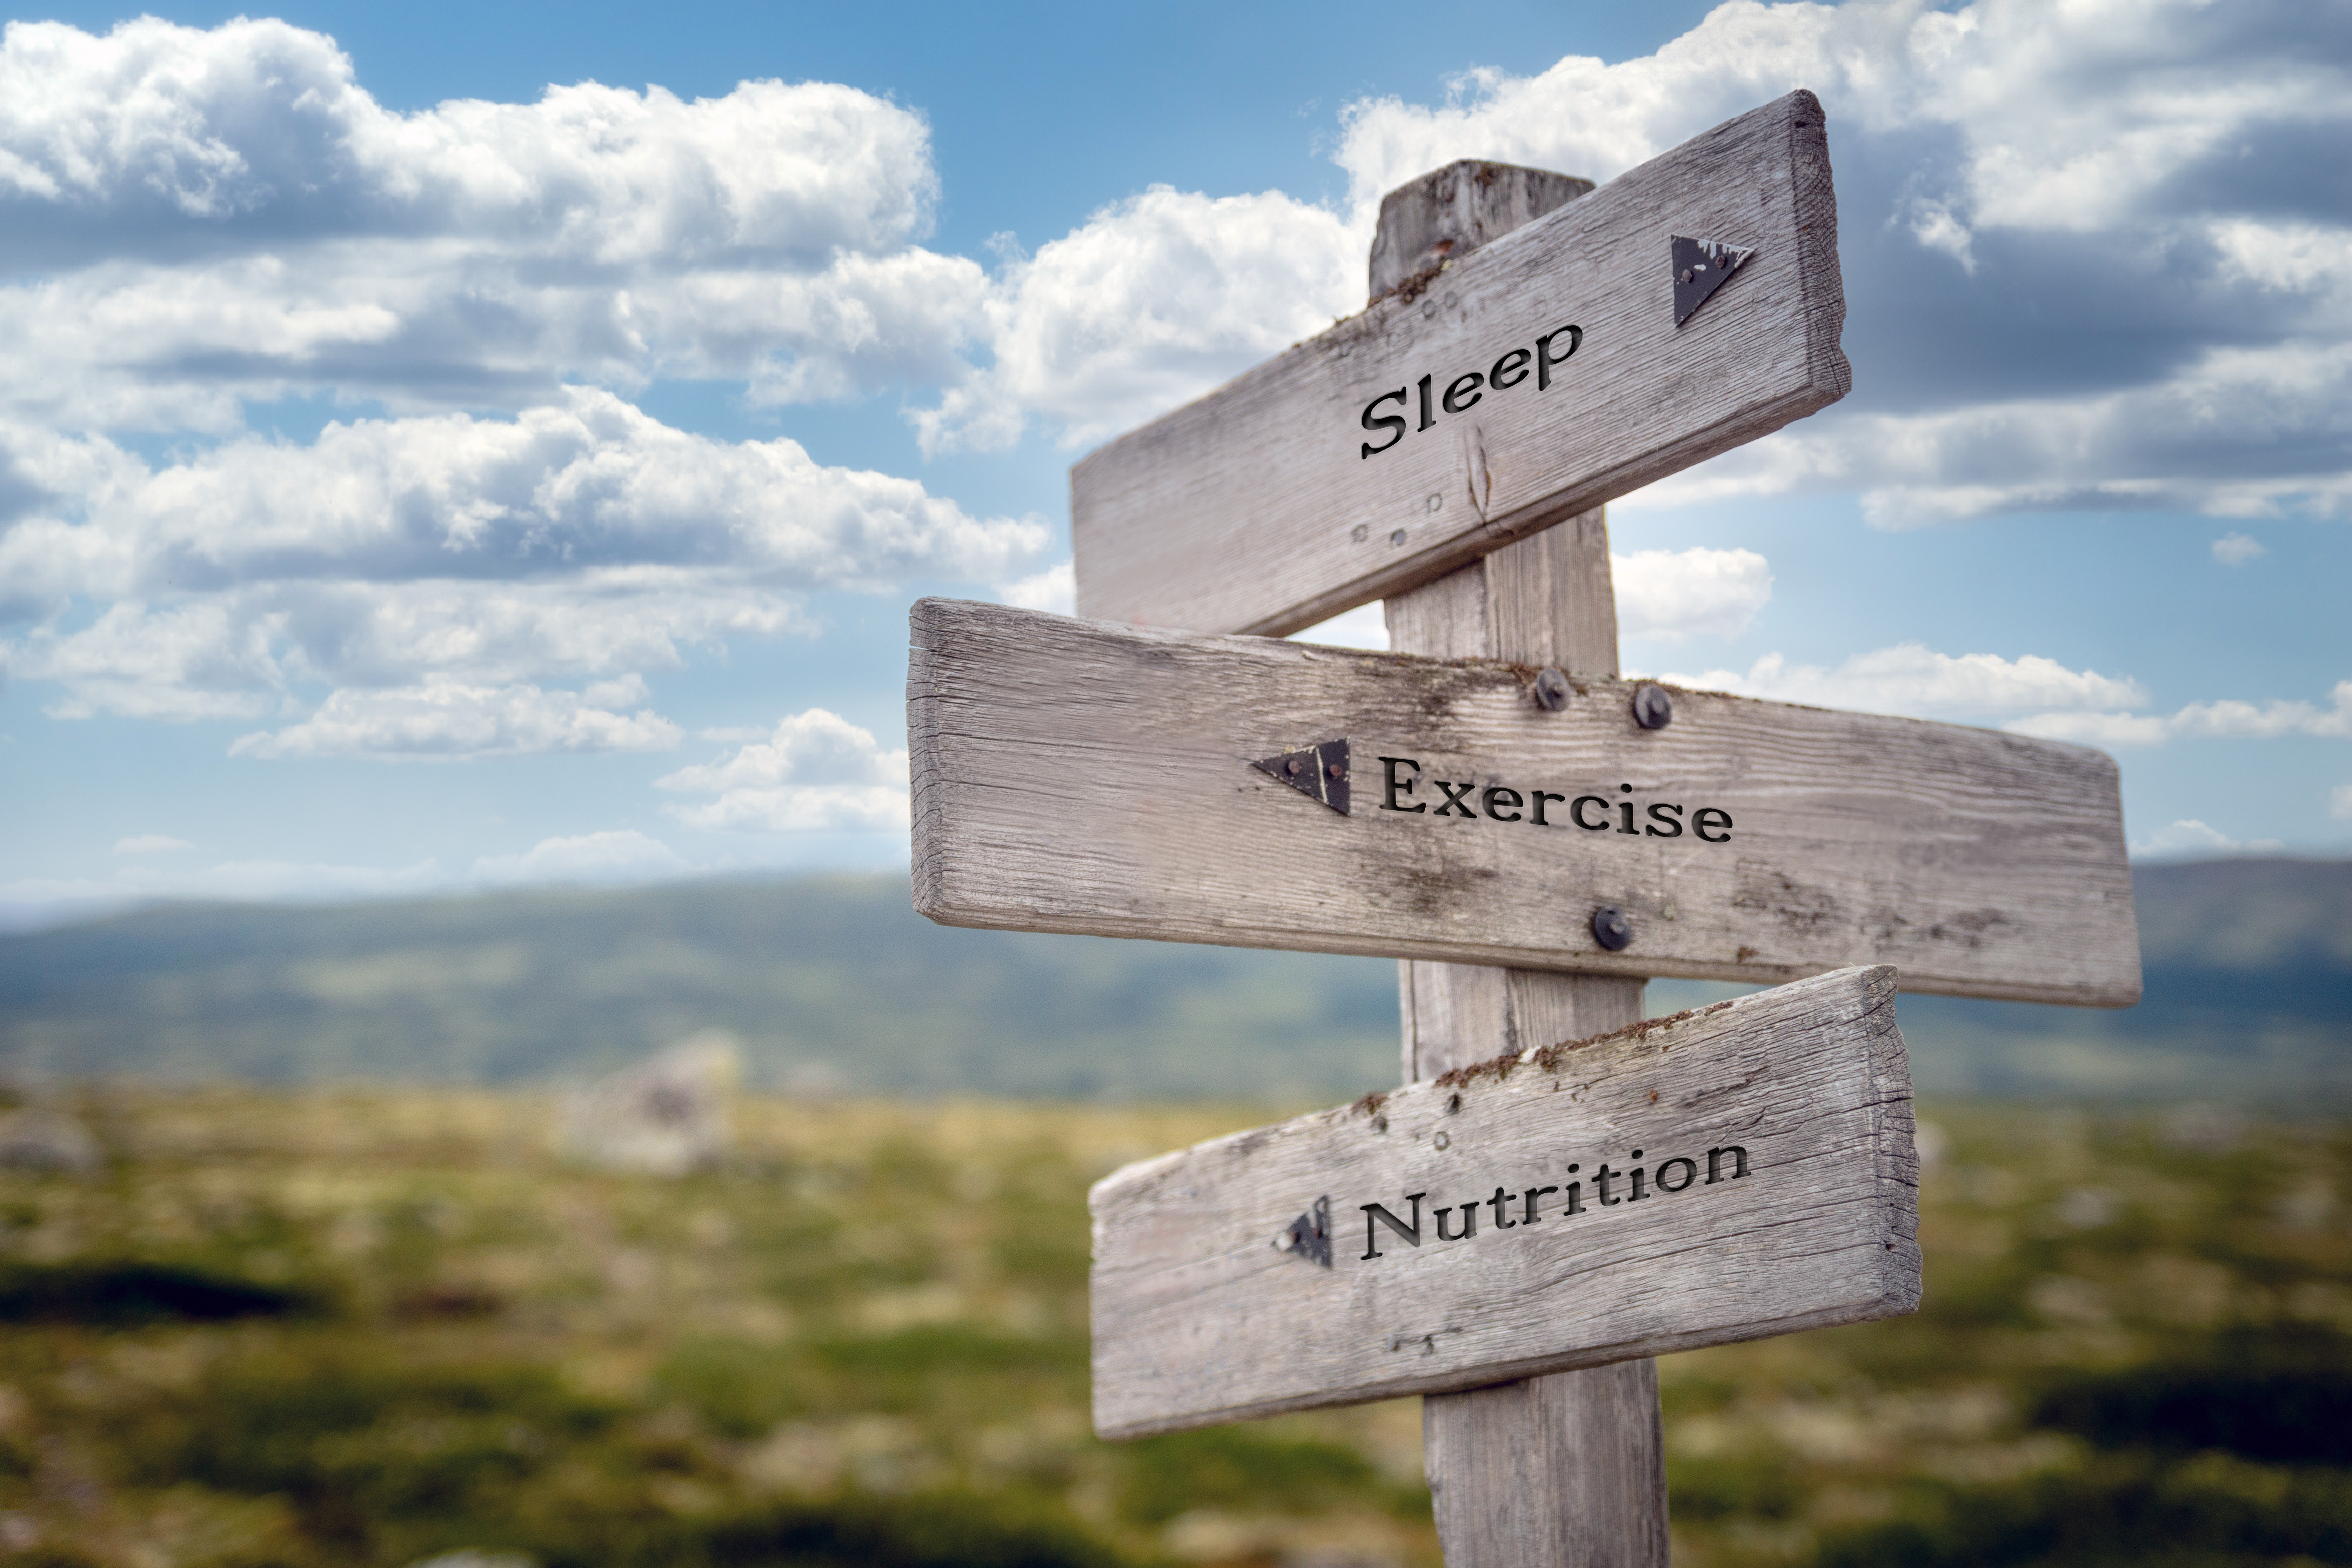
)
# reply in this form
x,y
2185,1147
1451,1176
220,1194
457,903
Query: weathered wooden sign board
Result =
x,y
1544,373
1078,776
1740,1171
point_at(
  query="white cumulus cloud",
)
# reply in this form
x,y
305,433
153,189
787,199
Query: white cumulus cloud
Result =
x,y
1055,589
2227,719
612,855
1911,679
582,537
2189,838
1366,626
472,252
40,899
2186,442
2237,549
815,772
620,855
448,720
1668,594
150,844
1147,305
1674,594
2093,260
195,220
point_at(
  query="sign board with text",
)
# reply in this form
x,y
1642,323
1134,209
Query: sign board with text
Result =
x,y
1072,775
1740,1171
1689,305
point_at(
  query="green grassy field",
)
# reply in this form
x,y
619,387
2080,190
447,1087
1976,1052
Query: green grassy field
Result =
x,y
369,1326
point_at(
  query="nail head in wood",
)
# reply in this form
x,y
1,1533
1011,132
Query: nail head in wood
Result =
x,y
1551,688
1652,709
1610,928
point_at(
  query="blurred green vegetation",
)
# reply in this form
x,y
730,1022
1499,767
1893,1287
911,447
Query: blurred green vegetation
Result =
x,y
837,981
828,981
283,1329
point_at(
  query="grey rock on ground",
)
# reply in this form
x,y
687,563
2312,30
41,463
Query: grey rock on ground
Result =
x,y
665,1116
38,1139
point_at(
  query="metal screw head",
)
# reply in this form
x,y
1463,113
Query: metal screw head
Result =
x,y
1652,709
1292,767
1551,688
1335,769
1610,928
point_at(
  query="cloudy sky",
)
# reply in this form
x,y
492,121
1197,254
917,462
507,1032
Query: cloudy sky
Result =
x,y
443,449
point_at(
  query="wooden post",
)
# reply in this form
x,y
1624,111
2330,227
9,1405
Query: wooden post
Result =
x,y
1568,1470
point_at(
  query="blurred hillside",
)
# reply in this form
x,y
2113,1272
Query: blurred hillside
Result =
x,y
836,982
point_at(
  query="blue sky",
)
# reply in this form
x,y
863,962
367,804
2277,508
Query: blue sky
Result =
x,y
451,449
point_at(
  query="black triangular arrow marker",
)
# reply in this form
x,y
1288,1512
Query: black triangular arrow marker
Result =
x,y
1319,773
1309,1236
1701,266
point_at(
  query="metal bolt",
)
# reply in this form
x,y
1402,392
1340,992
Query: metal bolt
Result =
x,y
1610,928
1291,767
1652,709
1551,688
1398,537
1334,769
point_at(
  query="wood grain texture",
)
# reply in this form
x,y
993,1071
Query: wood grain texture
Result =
x,y
1458,1014
1448,213
1077,776
1568,1467
1544,599
1564,1471
1199,1319
1253,509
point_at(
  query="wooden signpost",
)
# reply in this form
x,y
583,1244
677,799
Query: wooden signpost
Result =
x,y
1560,1192
1742,1171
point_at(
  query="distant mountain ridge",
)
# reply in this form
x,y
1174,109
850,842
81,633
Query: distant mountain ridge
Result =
x,y
835,980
